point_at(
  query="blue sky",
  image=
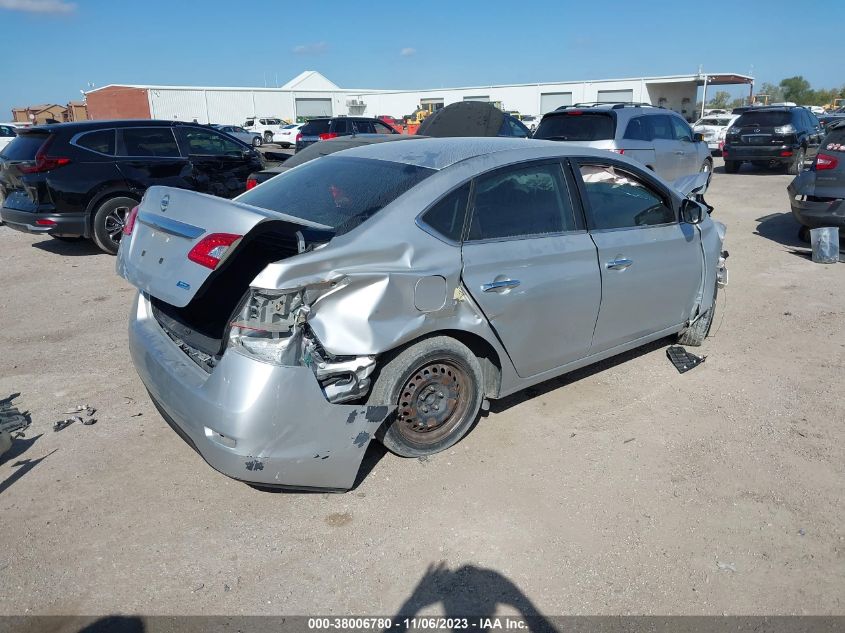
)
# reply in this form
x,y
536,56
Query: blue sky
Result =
x,y
53,48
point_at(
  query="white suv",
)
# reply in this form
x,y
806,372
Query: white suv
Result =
x,y
268,127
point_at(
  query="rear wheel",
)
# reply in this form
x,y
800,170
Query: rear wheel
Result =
x,y
436,385
256,141
268,137
794,168
109,220
732,166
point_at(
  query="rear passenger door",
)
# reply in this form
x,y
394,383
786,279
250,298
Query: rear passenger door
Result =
x,y
219,165
651,265
531,266
148,156
668,155
363,127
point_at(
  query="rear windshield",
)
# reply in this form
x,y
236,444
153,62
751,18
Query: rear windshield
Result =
x,y
764,119
586,126
835,140
336,191
713,121
24,146
315,128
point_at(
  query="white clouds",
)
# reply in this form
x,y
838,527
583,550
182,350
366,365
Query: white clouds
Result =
x,y
408,52
39,6
316,48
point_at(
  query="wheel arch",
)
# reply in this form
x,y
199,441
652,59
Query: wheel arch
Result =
x,y
104,196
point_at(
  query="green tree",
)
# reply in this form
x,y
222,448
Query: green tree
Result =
x,y
797,89
720,99
774,92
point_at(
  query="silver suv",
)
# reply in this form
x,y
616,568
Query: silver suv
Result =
x,y
656,137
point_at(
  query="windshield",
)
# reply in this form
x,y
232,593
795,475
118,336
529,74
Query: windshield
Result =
x,y
316,127
576,126
713,121
772,118
336,191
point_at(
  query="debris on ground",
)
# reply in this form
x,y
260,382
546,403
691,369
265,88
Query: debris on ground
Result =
x,y
58,425
682,359
82,409
13,422
726,566
630,439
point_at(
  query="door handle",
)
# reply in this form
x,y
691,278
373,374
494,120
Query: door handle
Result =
x,y
500,286
618,264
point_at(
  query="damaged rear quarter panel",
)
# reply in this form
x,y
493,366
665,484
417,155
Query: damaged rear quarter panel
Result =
x,y
376,269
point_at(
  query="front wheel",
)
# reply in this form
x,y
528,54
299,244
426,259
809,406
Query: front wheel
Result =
x,y
268,137
256,141
732,166
436,385
109,220
695,334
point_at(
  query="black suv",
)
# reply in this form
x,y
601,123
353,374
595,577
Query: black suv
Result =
x,y
81,179
772,136
323,129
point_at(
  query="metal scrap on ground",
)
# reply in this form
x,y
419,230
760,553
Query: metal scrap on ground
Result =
x,y
13,422
682,359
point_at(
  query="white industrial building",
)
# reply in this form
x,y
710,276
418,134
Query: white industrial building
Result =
x,y
311,94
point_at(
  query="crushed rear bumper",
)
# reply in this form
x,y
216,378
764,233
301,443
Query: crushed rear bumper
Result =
x,y
812,211
253,421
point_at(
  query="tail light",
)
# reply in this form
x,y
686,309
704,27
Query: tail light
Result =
x,y
250,183
130,221
618,151
298,137
42,162
327,136
212,248
826,161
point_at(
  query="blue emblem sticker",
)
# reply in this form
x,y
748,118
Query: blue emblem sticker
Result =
x,y
184,285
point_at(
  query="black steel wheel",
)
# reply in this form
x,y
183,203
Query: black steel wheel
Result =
x,y
436,386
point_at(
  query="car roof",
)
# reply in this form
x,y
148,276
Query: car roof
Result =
x,y
108,123
339,144
439,153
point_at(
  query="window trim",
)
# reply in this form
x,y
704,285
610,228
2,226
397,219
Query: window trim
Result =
x,y
119,142
528,236
185,147
653,185
75,138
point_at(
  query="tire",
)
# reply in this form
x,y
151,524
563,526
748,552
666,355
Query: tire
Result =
x,y
436,372
695,334
285,145
794,168
804,234
256,141
268,137
108,223
732,166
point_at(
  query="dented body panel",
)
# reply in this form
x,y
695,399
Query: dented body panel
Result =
x,y
333,310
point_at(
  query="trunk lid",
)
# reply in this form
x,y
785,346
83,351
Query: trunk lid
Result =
x,y
22,189
171,222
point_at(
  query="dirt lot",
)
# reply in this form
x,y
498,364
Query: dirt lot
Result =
x,y
627,488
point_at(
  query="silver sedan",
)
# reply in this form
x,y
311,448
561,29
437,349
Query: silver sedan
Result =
x,y
390,291
245,136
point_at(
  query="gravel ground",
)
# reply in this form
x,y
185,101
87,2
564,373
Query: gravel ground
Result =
x,y
625,488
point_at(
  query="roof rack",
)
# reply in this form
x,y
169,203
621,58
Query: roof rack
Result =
x,y
615,104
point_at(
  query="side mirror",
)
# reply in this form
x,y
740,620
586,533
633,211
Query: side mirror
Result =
x,y
698,137
691,212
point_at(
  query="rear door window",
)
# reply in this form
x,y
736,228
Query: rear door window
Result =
x,y
341,127
577,125
6,131
661,127
101,141
381,128
619,200
364,127
517,202
638,129
157,142
315,128
23,147
512,127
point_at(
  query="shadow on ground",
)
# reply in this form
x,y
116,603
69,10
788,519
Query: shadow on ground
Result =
x,y
78,248
19,447
469,592
23,467
783,229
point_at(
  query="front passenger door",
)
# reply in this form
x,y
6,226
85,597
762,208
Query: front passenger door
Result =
x,y
219,165
530,267
687,147
651,265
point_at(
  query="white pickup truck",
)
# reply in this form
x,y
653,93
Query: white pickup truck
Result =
x,y
268,127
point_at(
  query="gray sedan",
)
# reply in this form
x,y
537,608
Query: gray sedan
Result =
x,y
390,291
250,138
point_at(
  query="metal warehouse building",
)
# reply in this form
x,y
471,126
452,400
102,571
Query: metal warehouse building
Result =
x,y
311,94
